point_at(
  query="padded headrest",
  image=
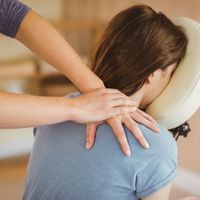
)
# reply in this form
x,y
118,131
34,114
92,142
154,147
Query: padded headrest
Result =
x,y
181,98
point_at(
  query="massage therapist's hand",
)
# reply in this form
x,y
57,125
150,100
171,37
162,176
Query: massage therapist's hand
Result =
x,y
129,120
99,105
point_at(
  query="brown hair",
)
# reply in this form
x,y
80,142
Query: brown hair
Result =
x,y
137,42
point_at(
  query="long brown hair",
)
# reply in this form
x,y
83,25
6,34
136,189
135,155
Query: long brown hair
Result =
x,y
136,42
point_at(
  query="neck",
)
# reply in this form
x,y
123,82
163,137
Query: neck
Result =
x,y
141,98
138,98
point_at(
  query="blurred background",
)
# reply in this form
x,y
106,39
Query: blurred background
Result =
x,y
81,22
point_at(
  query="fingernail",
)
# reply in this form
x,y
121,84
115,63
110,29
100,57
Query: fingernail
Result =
x,y
87,145
146,145
128,152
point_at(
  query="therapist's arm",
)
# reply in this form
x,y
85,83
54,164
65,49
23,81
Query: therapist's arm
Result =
x,y
21,110
43,39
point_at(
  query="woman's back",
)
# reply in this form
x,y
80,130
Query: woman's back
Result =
x,y
61,167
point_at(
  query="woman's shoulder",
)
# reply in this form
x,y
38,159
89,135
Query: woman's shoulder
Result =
x,y
161,144
157,166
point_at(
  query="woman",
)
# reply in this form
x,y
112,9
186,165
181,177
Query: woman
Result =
x,y
20,22
103,173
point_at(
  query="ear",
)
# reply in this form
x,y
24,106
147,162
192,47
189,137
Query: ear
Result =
x,y
153,76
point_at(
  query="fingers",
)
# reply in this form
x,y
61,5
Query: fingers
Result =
x,y
122,110
109,91
117,104
117,98
122,101
133,127
120,135
90,135
141,119
146,116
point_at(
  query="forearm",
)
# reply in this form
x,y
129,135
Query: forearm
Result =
x,y
20,110
40,36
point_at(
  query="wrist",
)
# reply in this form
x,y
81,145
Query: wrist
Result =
x,y
70,108
91,85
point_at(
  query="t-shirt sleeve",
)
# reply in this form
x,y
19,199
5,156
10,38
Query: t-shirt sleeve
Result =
x,y
155,175
12,12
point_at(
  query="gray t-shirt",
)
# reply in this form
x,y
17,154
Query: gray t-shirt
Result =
x,y
12,13
60,167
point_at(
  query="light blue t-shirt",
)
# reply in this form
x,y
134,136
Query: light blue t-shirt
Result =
x,y
60,168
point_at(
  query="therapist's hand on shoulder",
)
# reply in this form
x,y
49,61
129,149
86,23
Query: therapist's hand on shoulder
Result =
x,y
99,105
130,121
